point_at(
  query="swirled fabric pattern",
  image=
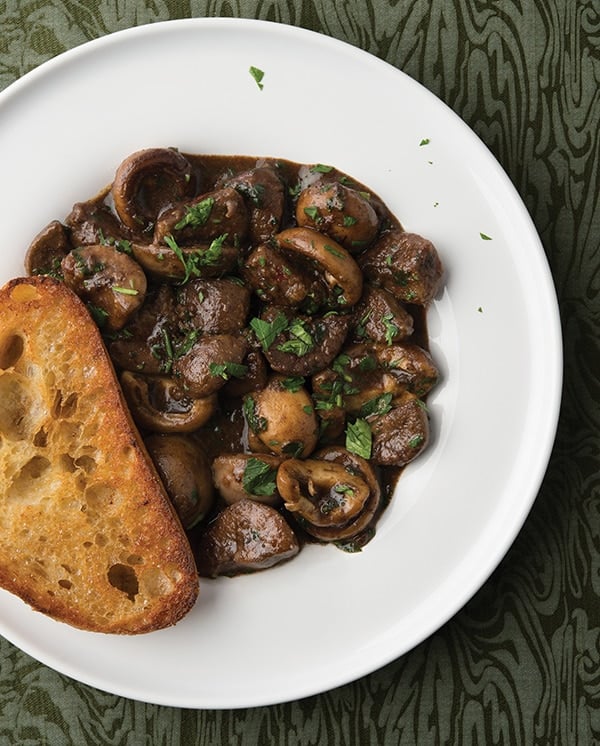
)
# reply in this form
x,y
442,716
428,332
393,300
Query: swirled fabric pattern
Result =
x,y
520,664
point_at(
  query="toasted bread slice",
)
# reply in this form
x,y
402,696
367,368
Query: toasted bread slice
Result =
x,y
87,532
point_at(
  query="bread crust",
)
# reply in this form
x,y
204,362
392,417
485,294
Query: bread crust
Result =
x,y
87,532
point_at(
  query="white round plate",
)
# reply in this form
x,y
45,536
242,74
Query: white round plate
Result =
x,y
327,617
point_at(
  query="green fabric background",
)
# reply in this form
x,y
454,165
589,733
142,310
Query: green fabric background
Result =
x,y
520,664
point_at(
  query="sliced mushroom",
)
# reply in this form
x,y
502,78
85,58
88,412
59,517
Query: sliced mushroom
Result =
x,y
112,283
406,264
241,476
159,404
185,472
281,418
149,181
47,250
210,362
245,537
304,491
339,271
340,212
204,218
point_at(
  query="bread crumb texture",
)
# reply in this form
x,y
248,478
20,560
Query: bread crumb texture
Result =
x,y
87,534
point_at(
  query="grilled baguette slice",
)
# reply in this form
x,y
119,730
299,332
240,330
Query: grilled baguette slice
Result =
x,y
87,532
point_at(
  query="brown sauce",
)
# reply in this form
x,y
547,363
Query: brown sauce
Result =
x,y
161,223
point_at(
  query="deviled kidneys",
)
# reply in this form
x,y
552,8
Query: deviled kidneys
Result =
x,y
267,320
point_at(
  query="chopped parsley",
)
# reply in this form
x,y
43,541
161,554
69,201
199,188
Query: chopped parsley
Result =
x,y
125,291
485,237
228,369
194,261
349,220
359,438
256,423
416,441
312,212
378,405
391,329
332,250
259,477
258,76
425,141
267,331
320,168
196,215
300,340
293,383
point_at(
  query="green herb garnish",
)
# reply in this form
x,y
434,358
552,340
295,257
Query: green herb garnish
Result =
x,y
267,331
359,438
256,423
259,477
258,76
228,369
196,215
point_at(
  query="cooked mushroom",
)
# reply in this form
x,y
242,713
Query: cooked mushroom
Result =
x,y
210,362
406,264
281,418
245,537
310,493
255,377
240,476
338,270
185,472
340,212
203,219
47,250
149,181
112,283
159,404
323,493
302,344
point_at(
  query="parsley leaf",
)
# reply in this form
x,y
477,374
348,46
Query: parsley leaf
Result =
x,y
259,477
258,75
227,369
267,331
300,341
359,438
196,215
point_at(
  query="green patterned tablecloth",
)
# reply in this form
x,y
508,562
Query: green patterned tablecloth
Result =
x,y
520,664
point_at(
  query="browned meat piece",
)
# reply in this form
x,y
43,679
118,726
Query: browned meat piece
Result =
x,y
205,218
218,306
210,362
277,280
112,283
264,194
307,344
94,222
379,317
410,365
47,250
245,537
400,435
404,263
143,346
